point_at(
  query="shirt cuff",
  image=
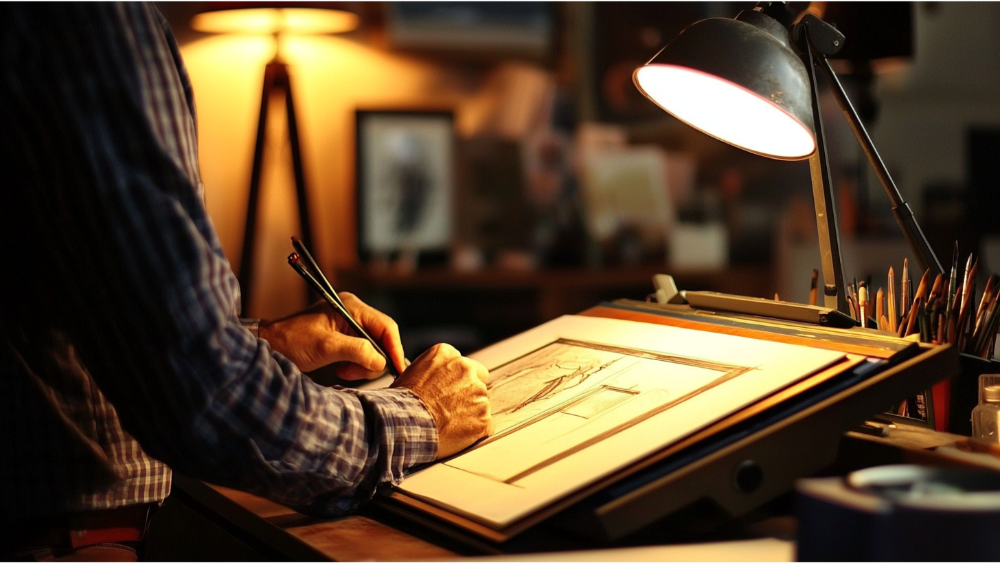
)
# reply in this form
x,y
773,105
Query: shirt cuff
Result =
x,y
406,431
406,434
253,325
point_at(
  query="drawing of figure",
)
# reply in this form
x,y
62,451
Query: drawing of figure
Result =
x,y
541,380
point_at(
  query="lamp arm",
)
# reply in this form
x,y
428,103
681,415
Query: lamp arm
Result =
x,y
831,261
900,209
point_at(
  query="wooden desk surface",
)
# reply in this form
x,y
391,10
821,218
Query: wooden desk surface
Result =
x,y
353,538
200,521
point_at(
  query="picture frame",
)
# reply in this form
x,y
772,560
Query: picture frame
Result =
x,y
405,182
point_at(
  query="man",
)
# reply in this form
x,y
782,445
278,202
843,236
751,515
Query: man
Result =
x,y
123,355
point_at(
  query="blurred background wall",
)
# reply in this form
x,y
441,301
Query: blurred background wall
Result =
x,y
561,165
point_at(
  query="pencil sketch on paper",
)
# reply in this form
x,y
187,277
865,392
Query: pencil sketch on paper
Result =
x,y
569,395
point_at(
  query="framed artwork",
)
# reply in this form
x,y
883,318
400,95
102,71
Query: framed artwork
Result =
x,y
405,182
917,410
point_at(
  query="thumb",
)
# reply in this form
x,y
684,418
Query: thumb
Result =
x,y
356,351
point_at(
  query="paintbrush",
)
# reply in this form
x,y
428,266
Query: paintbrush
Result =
x,y
920,295
965,313
952,283
968,272
904,294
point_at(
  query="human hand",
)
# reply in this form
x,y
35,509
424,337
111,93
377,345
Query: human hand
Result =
x,y
318,336
453,388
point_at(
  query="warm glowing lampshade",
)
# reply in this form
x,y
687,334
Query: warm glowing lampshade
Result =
x,y
738,81
304,21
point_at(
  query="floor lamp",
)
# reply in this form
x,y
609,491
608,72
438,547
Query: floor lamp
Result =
x,y
743,82
252,18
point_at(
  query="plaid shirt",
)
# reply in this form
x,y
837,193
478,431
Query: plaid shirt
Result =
x,y
122,350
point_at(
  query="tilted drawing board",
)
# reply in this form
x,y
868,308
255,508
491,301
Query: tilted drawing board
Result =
x,y
600,412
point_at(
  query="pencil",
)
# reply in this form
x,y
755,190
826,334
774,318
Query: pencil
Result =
x,y
856,286
911,325
985,301
939,321
923,320
981,328
295,262
879,308
852,301
965,278
892,318
863,304
918,296
933,301
965,317
870,305
813,293
965,313
905,282
922,286
985,336
311,262
950,335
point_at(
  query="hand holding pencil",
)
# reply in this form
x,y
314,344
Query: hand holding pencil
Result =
x,y
387,331
319,336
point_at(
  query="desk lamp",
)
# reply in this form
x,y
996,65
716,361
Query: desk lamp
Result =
x,y
751,82
278,20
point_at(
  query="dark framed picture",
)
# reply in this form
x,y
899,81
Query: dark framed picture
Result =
x,y
917,410
405,182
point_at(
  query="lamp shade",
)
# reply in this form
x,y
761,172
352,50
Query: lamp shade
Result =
x,y
278,17
737,80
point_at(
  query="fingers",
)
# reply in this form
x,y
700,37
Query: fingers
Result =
x,y
480,370
355,350
354,372
379,326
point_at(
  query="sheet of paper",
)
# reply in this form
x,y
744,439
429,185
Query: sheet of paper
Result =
x,y
579,397
767,550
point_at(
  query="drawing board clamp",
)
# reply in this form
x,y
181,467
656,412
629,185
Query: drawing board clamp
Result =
x,y
609,421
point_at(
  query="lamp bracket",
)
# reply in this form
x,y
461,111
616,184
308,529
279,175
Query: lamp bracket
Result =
x,y
779,11
824,38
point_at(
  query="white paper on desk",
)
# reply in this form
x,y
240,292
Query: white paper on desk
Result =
x,y
766,550
579,397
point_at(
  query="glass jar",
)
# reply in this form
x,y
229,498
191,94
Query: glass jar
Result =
x,y
986,415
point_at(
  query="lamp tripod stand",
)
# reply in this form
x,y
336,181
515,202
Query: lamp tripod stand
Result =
x,y
276,79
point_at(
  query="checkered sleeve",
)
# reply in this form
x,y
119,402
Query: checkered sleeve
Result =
x,y
99,124
407,437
